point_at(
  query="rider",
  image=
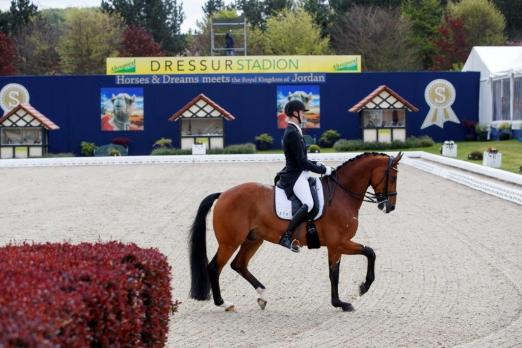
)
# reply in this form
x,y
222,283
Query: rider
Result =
x,y
294,176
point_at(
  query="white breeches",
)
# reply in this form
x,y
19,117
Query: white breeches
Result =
x,y
302,190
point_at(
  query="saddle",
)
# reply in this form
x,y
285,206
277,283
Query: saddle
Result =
x,y
286,207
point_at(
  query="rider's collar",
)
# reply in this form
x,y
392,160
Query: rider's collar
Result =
x,y
297,126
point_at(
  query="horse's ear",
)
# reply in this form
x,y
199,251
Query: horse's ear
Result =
x,y
398,158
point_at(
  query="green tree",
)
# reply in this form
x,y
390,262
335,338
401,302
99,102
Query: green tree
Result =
x,y
320,12
253,10
512,10
483,22
379,35
198,42
162,18
257,12
341,6
90,37
18,17
37,43
212,6
281,36
425,17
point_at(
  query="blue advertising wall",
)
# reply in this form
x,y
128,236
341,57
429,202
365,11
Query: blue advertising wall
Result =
x,y
73,103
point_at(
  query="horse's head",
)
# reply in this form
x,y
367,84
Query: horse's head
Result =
x,y
383,180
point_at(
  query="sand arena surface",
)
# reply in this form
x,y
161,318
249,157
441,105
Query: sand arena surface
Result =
x,y
448,270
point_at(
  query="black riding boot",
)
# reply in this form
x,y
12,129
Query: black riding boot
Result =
x,y
286,238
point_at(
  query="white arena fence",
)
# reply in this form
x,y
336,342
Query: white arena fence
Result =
x,y
505,185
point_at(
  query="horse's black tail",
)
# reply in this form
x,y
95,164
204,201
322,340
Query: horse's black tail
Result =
x,y
200,284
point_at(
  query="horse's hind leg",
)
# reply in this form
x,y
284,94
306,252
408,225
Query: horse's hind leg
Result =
x,y
240,264
215,266
334,262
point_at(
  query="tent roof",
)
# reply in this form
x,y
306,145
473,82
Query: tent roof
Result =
x,y
493,61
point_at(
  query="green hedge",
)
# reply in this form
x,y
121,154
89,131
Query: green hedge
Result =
x,y
165,151
234,149
231,149
344,145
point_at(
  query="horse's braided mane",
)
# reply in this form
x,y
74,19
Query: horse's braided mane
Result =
x,y
366,154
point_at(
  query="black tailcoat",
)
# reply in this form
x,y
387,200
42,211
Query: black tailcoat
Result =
x,y
296,160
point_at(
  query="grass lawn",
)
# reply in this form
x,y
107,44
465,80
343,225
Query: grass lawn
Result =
x,y
511,151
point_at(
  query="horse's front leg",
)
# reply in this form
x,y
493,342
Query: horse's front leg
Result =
x,y
334,262
352,248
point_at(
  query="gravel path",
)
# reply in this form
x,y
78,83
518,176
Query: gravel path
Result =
x,y
448,271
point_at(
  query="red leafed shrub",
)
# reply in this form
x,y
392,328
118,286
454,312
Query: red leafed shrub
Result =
x,y
123,141
86,295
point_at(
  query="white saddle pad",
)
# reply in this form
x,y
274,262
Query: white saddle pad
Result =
x,y
283,205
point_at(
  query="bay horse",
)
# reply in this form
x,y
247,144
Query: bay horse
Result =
x,y
244,216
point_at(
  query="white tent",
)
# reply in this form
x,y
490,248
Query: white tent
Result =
x,y
500,70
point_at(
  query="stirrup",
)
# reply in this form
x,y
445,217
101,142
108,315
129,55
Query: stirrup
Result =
x,y
295,246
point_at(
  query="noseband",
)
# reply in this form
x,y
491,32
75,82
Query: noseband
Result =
x,y
378,197
383,196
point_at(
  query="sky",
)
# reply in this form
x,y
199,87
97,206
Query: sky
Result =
x,y
191,8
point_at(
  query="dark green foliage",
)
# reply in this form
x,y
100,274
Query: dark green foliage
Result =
x,y
257,12
110,150
425,17
264,141
314,148
234,149
358,145
341,6
162,18
476,156
329,137
87,148
320,12
19,15
212,6
512,11
166,151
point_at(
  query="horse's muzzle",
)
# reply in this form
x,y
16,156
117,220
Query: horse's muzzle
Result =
x,y
386,206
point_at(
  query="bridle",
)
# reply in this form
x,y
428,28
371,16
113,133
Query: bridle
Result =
x,y
377,197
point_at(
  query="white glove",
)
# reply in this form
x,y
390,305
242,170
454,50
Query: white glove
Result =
x,y
328,170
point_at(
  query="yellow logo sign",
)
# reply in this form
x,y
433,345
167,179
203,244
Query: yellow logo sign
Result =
x,y
233,65
440,96
11,95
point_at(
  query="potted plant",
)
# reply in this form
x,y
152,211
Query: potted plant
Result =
x,y
314,148
87,148
329,138
505,131
481,130
163,143
492,158
264,141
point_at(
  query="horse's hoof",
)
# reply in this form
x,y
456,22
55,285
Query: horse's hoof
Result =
x,y
231,308
261,303
363,289
347,307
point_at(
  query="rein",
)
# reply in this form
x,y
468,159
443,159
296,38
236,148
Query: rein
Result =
x,y
370,197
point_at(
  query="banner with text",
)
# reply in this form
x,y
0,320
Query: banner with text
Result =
x,y
233,65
